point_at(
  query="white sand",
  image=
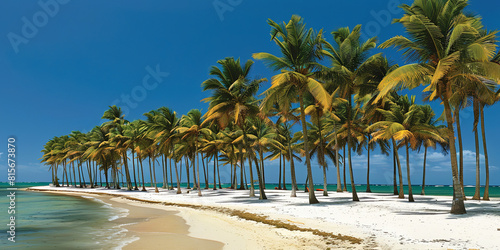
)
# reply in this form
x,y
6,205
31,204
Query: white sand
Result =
x,y
381,220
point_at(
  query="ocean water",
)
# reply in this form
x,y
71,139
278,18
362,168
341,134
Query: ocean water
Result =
x,y
442,190
50,221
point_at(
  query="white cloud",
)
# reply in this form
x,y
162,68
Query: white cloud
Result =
x,y
1,153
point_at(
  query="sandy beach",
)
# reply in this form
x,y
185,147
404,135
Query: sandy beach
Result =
x,y
379,221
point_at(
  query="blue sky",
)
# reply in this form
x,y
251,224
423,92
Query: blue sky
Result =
x,y
62,63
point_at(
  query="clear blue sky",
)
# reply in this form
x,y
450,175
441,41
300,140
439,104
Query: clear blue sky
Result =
x,y
63,64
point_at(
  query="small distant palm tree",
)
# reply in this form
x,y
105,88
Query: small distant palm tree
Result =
x,y
403,123
192,131
427,118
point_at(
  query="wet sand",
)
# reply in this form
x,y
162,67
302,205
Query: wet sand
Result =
x,y
158,228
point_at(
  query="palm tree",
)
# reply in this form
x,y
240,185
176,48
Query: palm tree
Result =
x,y
264,137
403,123
50,158
319,143
427,118
133,133
333,123
352,70
116,126
320,149
488,101
233,100
300,49
444,43
192,130
213,146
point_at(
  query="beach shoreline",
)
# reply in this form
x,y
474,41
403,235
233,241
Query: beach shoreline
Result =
x,y
196,226
379,221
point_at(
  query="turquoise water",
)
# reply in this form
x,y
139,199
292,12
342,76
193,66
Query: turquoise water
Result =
x,y
444,190
49,221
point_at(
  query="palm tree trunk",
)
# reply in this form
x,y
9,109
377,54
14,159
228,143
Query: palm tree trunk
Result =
x,y
368,190
127,173
486,195
231,176
235,176
56,180
80,167
279,175
349,149
396,155
218,172
198,169
215,173
97,172
312,196
242,184
106,177
460,148
52,173
245,175
89,169
337,160
180,169
177,175
195,179
171,179
205,169
187,173
79,176
322,153
262,168
262,194
154,176
458,206
325,191
292,171
142,174
133,169
423,175
345,181
165,166
284,167
252,186
395,172
65,173
139,162
150,172
164,171
74,173
410,191
477,194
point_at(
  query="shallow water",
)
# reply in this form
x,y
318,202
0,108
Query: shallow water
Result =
x,y
49,221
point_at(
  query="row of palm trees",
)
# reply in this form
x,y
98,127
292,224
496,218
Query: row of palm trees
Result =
x,y
352,104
